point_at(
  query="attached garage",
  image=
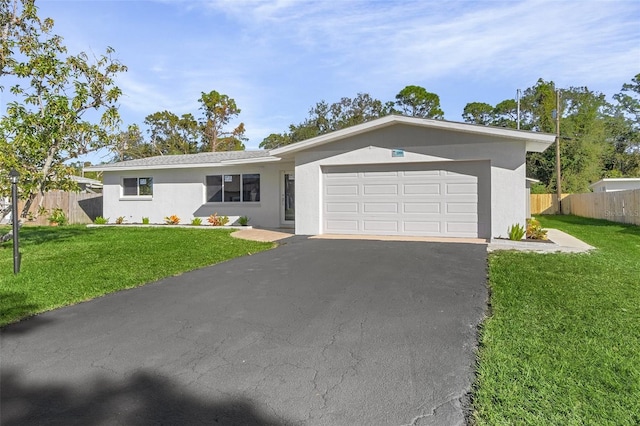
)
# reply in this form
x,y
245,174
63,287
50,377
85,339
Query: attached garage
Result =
x,y
410,176
412,199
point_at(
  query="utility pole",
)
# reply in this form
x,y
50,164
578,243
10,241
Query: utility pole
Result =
x,y
558,175
518,114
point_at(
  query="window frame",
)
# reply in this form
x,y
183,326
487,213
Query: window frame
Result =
x,y
227,198
138,194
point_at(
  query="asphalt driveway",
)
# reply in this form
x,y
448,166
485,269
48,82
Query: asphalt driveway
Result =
x,y
314,332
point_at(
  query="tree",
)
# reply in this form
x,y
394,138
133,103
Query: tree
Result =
x,y
624,128
218,111
171,134
130,145
52,94
275,140
588,133
415,101
324,118
478,113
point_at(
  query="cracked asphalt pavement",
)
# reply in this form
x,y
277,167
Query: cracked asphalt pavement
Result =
x,y
314,332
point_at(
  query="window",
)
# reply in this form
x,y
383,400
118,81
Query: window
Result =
x,y
233,188
132,187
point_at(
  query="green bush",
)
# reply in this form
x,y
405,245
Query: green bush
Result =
x,y
243,220
535,231
58,217
101,220
516,232
145,220
196,221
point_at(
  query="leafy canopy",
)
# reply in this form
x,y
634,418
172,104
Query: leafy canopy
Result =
x,y
60,106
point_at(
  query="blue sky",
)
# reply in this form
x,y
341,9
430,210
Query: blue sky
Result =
x,y
277,58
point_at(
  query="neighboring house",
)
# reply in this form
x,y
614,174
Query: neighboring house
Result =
x,y
392,176
87,185
615,184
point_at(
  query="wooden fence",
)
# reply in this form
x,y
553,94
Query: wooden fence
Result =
x,y
618,206
79,207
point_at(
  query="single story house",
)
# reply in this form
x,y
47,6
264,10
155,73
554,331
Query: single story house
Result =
x,y
615,184
392,176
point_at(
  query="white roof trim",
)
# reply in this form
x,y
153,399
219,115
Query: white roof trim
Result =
x,y
109,168
536,142
605,180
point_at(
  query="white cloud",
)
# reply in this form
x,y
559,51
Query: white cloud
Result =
x,y
277,58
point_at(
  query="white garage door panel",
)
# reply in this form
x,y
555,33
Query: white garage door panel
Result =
x,y
380,189
418,189
393,202
424,226
380,208
377,226
342,225
413,207
342,189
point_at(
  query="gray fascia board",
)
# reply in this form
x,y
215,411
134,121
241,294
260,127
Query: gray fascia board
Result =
x,y
107,168
536,142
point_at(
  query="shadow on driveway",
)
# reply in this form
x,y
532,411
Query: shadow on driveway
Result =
x,y
144,398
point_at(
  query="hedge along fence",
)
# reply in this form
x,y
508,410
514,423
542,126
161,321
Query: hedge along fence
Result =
x,y
618,206
79,207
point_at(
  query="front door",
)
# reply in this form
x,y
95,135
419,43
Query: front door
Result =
x,y
288,198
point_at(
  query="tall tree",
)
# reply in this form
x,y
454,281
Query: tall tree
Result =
x,y
218,111
51,94
478,113
594,141
130,145
170,134
324,118
623,124
415,101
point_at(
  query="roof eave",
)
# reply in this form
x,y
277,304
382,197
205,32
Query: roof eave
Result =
x,y
111,168
535,142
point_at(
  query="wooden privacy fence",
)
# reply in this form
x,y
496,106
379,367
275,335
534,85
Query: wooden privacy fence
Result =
x,y
618,206
79,207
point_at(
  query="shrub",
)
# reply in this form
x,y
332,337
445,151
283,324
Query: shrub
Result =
x,y
535,231
172,220
216,220
101,220
145,220
196,221
58,217
243,220
516,232
120,220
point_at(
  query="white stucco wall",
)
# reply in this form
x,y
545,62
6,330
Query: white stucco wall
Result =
x,y
500,189
182,192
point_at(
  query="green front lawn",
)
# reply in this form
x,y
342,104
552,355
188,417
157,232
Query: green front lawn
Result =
x,y
66,265
562,343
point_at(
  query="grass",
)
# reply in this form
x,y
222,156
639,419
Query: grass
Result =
x,y
66,265
562,343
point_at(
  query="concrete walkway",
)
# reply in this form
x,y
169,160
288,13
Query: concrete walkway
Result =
x,y
264,235
558,241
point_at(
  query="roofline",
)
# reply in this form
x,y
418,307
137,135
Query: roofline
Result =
x,y
111,168
536,142
615,180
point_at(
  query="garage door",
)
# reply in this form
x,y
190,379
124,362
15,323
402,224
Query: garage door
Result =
x,y
382,200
